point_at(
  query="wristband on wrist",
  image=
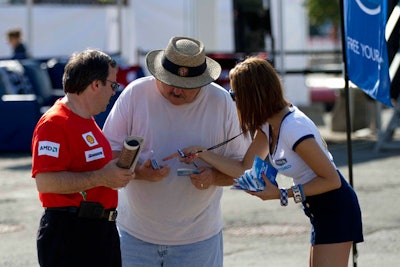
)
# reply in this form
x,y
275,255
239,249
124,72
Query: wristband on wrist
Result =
x,y
284,196
303,195
298,193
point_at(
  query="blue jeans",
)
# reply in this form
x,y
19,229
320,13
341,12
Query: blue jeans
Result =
x,y
207,253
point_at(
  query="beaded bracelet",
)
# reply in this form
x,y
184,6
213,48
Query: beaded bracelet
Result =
x,y
284,196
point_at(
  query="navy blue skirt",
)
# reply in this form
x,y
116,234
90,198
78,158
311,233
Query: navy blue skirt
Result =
x,y
335,216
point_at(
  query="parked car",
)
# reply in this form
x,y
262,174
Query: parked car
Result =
x,y
324,83
228,61
324,88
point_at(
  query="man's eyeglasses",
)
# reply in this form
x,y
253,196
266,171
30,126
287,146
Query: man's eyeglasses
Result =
x,y
114,85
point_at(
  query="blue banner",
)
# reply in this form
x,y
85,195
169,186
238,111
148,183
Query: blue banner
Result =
x,y
366,50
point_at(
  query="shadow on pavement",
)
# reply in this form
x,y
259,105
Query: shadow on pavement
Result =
x,y
362,151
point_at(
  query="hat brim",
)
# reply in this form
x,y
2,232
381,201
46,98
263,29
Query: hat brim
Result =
x,y
154,65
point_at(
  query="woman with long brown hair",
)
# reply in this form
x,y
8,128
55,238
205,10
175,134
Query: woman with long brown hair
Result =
x,y
293,145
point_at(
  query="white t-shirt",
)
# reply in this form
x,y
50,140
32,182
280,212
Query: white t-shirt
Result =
x,y
172,211
295,127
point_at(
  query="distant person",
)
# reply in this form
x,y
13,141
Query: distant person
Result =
x,y
166,219
74,171
15,40
293,145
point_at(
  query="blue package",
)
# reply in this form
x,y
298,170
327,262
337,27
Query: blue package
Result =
x,y
154,164
261,166
252,179
187,172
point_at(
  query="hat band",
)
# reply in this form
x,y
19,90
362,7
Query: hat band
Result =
x,y
183,71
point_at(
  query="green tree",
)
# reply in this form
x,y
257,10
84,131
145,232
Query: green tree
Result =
x,y
323,11
320,12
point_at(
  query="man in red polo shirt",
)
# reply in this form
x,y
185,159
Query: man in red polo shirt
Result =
x,y
74,171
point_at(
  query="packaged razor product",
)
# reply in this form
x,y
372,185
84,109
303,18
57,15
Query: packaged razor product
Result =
x,y
252,179
187,172
153,161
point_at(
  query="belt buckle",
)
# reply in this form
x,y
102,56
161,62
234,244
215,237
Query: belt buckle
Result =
x,y
112,216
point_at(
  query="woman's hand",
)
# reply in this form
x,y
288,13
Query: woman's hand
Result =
x,y
186,155
270,191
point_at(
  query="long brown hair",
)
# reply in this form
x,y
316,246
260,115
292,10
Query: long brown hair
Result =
x,y
258,92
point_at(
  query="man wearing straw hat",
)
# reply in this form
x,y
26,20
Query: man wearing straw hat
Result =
x,y
166,216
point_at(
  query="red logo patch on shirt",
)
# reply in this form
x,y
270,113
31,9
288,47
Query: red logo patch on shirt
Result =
x,y
89,139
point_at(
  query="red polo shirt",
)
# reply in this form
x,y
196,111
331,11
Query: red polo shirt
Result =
x,y
64,141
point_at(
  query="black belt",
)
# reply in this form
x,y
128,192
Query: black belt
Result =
x,y
108,215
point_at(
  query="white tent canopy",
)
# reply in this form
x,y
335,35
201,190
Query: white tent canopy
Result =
x,y
59,30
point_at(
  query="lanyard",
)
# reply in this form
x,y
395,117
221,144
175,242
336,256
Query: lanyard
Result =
x,y
218,145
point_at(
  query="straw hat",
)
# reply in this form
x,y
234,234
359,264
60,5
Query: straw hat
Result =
x,y
183,64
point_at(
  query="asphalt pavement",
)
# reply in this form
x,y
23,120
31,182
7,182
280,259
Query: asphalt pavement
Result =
x,y
256,233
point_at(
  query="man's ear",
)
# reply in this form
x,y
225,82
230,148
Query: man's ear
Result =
x,y
95,85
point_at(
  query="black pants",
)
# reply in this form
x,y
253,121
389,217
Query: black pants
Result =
x,y
66,240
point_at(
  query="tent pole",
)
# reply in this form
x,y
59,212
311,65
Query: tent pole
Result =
x,y
348,117
29,6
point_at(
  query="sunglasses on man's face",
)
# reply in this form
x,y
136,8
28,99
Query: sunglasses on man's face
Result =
x,y
114,85
232,93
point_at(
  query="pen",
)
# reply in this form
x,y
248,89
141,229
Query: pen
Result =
x,y
183,155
